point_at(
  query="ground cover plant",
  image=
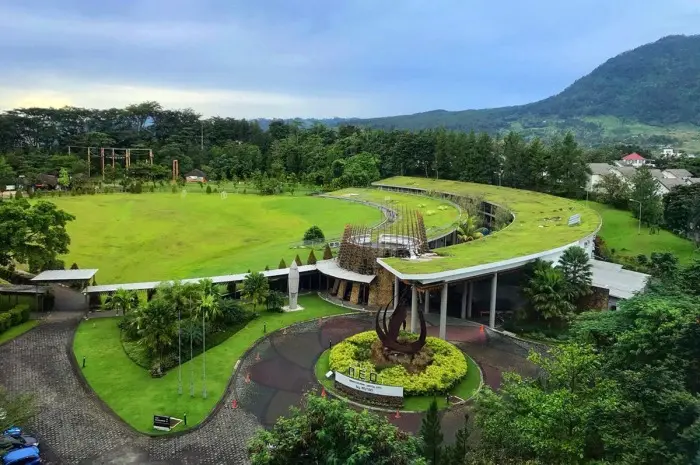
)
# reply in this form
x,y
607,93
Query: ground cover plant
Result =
x,y
156,236
136,396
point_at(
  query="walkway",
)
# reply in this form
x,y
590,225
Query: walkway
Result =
x,y
74,427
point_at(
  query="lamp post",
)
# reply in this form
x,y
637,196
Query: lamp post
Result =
x,y
499,173
639,227
585,188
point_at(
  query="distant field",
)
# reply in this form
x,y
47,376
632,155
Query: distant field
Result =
x,y
155,236
620,232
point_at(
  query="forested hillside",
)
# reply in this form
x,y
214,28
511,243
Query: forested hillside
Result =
x,y
649,95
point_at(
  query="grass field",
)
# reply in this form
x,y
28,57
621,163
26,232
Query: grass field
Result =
x,y
438,215
133,395
466,388
155,236
620,233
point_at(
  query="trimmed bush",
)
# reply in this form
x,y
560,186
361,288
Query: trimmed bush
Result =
x,y
298,260
447,368
312,258
19,314
327,253
282,264
5,321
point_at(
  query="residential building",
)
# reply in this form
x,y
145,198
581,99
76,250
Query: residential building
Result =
x,y
598,170
196,176
677,173
634,159
668,152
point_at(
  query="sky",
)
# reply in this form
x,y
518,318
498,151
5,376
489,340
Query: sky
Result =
x,y
313,58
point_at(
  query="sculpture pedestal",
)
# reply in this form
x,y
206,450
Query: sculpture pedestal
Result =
x,y
286,308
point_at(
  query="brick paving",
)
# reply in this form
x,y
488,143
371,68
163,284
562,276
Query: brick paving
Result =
x,y
74,427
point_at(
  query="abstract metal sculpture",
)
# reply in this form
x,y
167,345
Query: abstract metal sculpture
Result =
x,y
389,334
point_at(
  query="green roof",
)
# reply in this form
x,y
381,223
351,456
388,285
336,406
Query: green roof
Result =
x,y
541,224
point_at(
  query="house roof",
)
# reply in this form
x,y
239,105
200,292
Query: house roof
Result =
x,y
633,156
694,180
626,171
670,183
600,169
65,275
197,173
47,179
680,173
622,283
658,175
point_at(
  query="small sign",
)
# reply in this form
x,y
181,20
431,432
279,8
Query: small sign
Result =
x,y
574,219
351,372
376,389
161,422
373,377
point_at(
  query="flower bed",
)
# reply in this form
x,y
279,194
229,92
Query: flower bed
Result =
x,y
448,365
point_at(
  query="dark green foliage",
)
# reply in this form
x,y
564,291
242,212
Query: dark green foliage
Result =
x,y
274,301
644,190
682,211
431,435
298,260
328,431
267,268
312,258
208,190
74,266
282,264
576,268
327,252
458,452
314,234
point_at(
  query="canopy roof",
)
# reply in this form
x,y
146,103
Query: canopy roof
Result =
x,y
65,275
621,283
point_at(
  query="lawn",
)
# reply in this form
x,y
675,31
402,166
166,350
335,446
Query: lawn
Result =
x,y
465,389
541,223
438,214
17,331
620,233
155,236
133,395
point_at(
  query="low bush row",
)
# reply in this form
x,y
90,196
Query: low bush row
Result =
x,y
14,317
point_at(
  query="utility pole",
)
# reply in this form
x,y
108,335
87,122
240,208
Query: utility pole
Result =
x,y
201,136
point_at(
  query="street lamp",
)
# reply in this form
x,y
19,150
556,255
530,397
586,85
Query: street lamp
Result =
x,y
499,173
585,188
639,228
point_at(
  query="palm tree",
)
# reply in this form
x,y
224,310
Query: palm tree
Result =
x,y
576,267
547,293
157,328
255,288
468,230
123,300
209,310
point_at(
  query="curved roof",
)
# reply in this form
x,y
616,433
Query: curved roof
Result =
x,y
540,226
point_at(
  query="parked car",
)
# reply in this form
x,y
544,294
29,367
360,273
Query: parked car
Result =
x,y
18,434
23,456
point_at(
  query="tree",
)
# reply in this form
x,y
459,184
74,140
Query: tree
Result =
x,y
255,288
614,190
327,252
682,211
328,431
122,299
458,453
63,178
32,234
565,416
547,294
157,330
7,174
567,168
274,300
431,435
576,269
312,258
314,234
468,229
298,260
282,264
645,190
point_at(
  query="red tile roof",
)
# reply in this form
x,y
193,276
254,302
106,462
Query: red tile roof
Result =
x,y
633,156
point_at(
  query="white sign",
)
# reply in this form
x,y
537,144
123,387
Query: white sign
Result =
x,y
574,219
370,388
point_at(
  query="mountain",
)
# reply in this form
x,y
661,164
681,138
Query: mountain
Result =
x,y
647,95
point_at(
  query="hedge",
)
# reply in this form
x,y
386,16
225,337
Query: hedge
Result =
x,y
14,317
449,365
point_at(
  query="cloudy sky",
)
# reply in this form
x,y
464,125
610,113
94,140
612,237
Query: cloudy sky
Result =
x,y
313,58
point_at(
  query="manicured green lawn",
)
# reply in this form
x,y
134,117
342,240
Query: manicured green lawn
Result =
x,y
18,330
466,388
154,236
620,233
438,215
541,223
131,392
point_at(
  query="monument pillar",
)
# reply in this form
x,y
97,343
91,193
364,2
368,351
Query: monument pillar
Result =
x,y
443,312
492,308
293,285
414,308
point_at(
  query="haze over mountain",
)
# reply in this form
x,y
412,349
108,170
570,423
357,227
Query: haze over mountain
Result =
x,y
650,93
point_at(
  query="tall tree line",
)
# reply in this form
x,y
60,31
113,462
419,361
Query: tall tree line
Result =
x,y
36,140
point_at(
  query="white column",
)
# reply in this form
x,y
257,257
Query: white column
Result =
x,y
465,290
426,309
470,299
396,292
414,308
443,312
492,309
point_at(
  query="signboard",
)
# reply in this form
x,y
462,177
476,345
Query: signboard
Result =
x,y
369,388
162,423
574,219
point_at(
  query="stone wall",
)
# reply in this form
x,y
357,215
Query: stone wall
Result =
x,y
355,293
342,287
381,291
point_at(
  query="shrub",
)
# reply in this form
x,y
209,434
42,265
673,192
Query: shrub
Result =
x,y
327,253
19,314
314,233
208,189
173,189
74,266
312,258
282,264
5,322
298,260
448,366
